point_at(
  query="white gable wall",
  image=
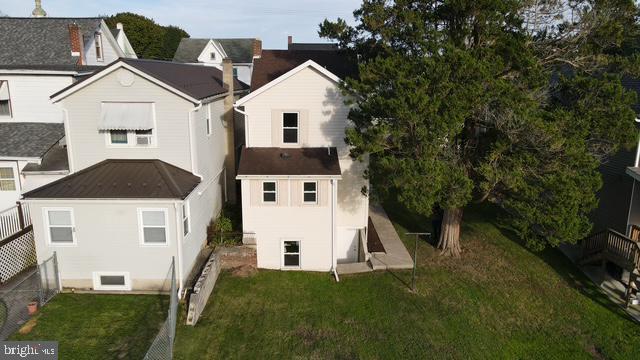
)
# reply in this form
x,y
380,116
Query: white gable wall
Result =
x,y
89,145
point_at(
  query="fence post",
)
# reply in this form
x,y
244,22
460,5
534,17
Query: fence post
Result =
x,y
20,215
56,272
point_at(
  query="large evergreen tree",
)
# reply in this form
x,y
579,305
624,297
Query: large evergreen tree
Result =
x,y
471,100
149,39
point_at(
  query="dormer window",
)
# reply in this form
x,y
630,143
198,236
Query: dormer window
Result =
x,y
212,56
290,127
99,53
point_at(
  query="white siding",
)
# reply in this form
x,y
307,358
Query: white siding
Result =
x,y
311,225
107,240
323,120
89,146
30,97
306,90
34,181
109,53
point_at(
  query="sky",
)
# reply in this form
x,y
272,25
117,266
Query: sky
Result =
x,y
269,20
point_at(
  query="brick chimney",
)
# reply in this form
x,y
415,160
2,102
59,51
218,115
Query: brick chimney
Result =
x,y
230,163
289,40
77,45
257,48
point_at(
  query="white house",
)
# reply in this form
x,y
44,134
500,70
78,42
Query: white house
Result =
x,y
149,148
40,56
211,52
302,201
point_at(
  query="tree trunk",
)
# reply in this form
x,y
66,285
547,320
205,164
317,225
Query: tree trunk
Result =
x,y
449,241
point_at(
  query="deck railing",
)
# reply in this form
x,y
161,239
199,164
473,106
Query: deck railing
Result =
x,y
634,232
613,246
14,220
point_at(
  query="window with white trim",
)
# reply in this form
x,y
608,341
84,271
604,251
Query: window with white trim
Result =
x,y
5,100
269,192
291,254
111,280
185,218
310,192
290,127
212,55
153,226
99,53
7,179
118,137
60,228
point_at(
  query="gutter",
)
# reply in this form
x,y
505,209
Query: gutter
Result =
x,y
191,142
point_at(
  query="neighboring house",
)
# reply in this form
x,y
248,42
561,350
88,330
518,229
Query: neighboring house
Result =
x,y
619,198
149,147
211,52
302,200
38,57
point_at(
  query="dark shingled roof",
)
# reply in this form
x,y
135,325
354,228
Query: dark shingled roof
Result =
x,y
313,46
288,161
55,159
275,63
196,81
238,50
40,41
28,140
118,179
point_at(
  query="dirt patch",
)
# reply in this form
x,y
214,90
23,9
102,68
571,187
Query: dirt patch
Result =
x,y
310,336
243,271
595,352
29,325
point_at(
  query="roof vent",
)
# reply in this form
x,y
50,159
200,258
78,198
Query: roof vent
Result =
x,y
285,155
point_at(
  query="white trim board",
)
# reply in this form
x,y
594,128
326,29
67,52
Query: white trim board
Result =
x,y
285,76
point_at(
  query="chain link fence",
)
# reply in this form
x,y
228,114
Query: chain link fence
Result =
x,y
162,346
25,293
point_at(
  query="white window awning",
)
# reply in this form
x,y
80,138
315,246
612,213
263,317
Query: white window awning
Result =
x,y
126,116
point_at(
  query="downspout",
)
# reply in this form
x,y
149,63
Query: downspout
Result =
x,y
334,190
191,142
179,233
246,125
637,162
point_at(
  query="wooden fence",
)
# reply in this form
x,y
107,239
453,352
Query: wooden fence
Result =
x,y
203,288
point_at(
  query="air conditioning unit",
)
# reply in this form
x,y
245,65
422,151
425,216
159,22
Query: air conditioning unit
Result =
x,y
143,140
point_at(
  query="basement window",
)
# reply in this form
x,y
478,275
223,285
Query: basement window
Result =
x,y
291,254
109,280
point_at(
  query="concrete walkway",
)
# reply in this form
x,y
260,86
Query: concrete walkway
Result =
x,y
611,287
395,256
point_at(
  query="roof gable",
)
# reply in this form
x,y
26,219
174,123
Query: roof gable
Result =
x,y
212,47
308,64
191,82
238,50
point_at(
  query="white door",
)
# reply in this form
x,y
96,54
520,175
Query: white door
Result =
x,y
347,245
9,184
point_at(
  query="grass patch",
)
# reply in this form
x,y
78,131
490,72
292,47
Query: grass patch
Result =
x,y
98,326
498,301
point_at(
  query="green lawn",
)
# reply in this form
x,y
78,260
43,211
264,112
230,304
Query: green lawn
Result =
x,y
98,326
498,301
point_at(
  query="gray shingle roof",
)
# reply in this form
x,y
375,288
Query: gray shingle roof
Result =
x,y
239,50
40,41
28,140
